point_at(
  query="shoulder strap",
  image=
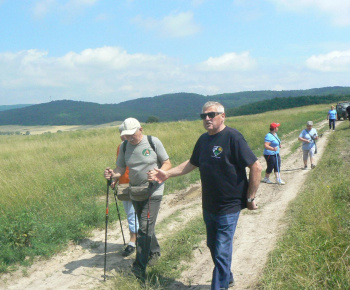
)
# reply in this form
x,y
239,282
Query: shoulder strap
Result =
x,y
124,146
149,138
310,135
279,142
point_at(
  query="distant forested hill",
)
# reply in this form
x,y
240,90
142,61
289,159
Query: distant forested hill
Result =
x,y
284,103
169,107
10,107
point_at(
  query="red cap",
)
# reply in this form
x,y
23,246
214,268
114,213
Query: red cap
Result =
x,y
274,125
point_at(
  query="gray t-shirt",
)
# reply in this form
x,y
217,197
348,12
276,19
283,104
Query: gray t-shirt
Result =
x,y
140,159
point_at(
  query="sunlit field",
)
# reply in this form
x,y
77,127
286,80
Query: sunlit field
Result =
x,y
51,183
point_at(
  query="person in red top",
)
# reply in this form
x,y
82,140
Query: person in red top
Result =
x,y
129,209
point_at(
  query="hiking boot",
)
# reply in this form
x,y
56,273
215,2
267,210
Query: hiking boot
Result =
x,y
266,180
138,272
153,258
313,166
305,167
128,251
280,181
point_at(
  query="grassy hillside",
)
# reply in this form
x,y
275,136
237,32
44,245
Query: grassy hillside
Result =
x,y
169,107
50,183
314,251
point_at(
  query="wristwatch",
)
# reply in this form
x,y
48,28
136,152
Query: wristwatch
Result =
x,y
250,199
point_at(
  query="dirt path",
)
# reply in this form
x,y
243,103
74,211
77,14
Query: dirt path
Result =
x,y
81,266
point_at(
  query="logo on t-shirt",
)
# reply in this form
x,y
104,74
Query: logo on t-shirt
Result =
x,y
146,152
217,151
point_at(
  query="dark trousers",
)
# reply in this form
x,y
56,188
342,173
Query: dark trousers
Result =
x,y
146,244
273,163
332,124
220,232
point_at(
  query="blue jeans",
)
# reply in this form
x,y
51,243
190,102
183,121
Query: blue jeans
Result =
x,y
220,232
130,214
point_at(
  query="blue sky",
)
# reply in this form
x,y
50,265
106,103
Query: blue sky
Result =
x,y
109,51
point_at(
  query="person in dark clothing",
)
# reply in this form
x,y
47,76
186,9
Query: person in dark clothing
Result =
x,y
222,155
348,111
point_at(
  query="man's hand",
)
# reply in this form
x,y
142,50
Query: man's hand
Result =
x,y
157,175
108,173
252,205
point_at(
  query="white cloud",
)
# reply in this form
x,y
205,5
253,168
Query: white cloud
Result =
x,y
174,25
93,73
335,61
197,3
229,62
339,10
73,4
112,75
43,7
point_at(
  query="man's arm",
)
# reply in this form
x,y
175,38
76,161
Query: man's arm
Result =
x,y
166,165
160,175
254,181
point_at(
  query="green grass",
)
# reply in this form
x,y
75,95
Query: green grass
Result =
x,y
314,251
51,184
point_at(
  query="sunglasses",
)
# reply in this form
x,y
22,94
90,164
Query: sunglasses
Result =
x,y
211,115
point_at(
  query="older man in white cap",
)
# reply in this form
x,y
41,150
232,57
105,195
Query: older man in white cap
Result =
x,y
141,154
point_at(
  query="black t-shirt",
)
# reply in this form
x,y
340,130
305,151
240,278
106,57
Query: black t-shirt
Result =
x,y
222,159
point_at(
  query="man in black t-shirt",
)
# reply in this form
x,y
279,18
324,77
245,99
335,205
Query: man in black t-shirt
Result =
x,y
222,155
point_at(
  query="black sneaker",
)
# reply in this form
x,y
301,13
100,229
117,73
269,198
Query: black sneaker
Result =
x,y
153,258
128,251
231,283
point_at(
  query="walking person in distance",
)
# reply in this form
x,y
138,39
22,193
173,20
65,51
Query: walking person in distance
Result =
x,y
332,116
308,137
272,145
222,155
142,154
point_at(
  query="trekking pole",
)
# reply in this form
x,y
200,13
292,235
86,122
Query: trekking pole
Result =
x,y
109,181
148,247
116,203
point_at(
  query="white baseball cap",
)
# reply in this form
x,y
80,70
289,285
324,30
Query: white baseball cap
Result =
x,y
130,125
